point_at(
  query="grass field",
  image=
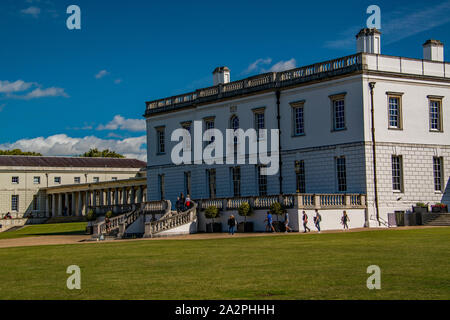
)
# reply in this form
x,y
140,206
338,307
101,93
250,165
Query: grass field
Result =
x,y
45,230
414,265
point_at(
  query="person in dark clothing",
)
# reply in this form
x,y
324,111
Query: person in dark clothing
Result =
x,y
231,225
182,201
317,219
305,222
344,220
178,205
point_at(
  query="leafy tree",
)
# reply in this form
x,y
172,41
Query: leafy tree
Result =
x,y
18,152
211,212
91,215
277,209
109,214
245,210
95,153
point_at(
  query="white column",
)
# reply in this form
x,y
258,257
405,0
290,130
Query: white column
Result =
x,y
133,195
124,195
108,197
100,197
53,205
74,204
139,194
116,196
60,205
47,206
80,204
86,202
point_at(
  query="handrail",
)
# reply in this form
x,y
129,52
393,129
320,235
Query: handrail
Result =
x,y
170,221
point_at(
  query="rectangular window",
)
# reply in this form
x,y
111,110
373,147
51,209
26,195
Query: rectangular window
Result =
x,y
162,193
435,115
37,180
300,180
96,179
187,183
160,140
299,121
76,180
14,202
114,178
35,203
209,124
262,182
395,112
211,173
236,178
187,138
338,114
259,124
341,173
397,173
15,180
438,173
57,180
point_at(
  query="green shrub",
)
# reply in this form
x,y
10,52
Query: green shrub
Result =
x,y
211,212
245,210
91,215
109,214
421,205
277,209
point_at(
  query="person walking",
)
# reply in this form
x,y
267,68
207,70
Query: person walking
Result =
x,y
317,219
188,202
231,225
305,222
345,220
269,225
178,205
286,223
182,200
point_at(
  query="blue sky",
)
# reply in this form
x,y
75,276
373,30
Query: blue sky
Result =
x,y
63,91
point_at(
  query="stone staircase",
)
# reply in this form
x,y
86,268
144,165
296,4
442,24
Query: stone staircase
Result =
x,y
436,219
170,220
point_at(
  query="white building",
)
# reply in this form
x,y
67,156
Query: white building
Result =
x,y
56,186
327,130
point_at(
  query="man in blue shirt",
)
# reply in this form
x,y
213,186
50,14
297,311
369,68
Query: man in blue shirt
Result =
x,y
269,225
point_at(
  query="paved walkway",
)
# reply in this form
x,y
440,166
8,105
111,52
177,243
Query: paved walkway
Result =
x,y
84,239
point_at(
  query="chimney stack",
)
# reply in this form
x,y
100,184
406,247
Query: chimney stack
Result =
x,y
433,50
368,40
221,75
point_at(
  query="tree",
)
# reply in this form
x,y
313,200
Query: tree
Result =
x,y
211,212
277,209
18,152
245,210
95,153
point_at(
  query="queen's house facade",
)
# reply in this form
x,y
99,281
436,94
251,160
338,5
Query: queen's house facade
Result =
x,y
368,124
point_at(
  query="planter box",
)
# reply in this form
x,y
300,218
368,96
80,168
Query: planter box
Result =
x,y
420,209
439,209
214,227
245,227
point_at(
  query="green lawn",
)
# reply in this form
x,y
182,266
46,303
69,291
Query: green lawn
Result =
x,y
46,229
414,265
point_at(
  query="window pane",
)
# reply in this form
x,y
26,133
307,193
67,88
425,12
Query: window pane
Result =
x,y
299,124
300,176
236,175
341,174
435,115
437,172
339,114
394,112
396,173
262,182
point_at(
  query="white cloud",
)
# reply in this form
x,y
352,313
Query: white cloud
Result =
x,y
256,66
398,25
119,122
63,145
32,11
16,86
101,74
49,92
284,65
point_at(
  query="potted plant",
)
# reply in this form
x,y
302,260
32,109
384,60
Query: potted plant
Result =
x,y
210,213
91,217
245,210
420,208
439,208
277,209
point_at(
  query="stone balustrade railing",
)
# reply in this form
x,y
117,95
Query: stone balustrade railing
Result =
x,y
261,81
170,220
296,201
